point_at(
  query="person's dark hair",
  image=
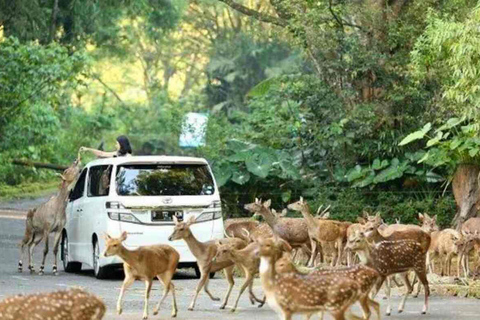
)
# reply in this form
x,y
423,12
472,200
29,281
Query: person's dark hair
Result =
x,y
124,145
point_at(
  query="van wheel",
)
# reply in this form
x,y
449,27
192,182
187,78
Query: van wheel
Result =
x,y
68,266
100,272
198,274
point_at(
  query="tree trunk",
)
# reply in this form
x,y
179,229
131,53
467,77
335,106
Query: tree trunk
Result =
x,y
39,165
466,190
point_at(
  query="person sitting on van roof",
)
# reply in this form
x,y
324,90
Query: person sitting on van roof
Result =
x,y
122,145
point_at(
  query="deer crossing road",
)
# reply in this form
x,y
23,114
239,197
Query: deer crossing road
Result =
x,y
11,282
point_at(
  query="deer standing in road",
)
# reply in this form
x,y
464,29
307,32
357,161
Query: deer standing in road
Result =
x,y
48,218
205,252
145,263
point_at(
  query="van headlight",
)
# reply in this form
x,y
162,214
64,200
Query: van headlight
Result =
x,y
215,204
123,216
206,216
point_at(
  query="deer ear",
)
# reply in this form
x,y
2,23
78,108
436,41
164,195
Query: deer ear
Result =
x,y
361,220
256,200
284,212
326,215
123,237
175,219
274,211
106,236
434,218
421,217
267,203
191,220
301,199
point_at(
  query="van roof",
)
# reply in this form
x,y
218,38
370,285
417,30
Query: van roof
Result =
x,y
148,159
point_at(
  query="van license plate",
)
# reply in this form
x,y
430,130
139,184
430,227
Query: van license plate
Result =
x,y
163,215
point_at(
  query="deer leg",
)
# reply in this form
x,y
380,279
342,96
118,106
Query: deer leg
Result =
x,y
205,272
421,274
364,302
56,244
45,252
387,294
229,276
409,291
459,265
248,281
148,287
340,252
286,315
166,279
313,243
31,247
205,288
27,239
260,301
127,282
375,305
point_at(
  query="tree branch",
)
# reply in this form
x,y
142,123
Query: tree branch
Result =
x,y
109,89
255,14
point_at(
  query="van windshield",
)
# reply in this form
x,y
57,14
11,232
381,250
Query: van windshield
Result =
x,y
164,180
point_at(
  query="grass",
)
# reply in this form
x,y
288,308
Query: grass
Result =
x,y
27,190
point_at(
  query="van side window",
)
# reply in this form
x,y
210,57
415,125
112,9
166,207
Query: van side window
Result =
x,y
77,191
99,181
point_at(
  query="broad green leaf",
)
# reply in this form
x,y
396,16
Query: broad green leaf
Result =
x,y
417,135
259,164
223,171
473,152
452,122
262,88
286,196
365,182
435,140
355,173
238,145
378,165
289,169
241,177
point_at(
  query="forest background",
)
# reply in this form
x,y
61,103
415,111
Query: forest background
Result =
x,y
361,105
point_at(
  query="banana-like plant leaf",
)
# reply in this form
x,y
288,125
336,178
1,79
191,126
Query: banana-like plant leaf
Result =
x,y
417,135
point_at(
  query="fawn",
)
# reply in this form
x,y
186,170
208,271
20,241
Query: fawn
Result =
x,y
390,257
71,304
205,252
292,293
320,231
249,261
145,263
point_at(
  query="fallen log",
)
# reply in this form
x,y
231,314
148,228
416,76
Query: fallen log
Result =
x,y
50,166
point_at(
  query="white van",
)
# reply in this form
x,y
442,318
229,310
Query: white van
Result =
x,y
139,195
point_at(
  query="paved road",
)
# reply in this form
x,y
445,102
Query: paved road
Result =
x,y
12,282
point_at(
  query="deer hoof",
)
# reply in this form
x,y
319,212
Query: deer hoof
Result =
x,y
400,311
233,310
145,317
174,315
215,299
222,307
190,308
155,312
119,311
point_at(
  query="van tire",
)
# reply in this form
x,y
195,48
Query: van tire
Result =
x,y
68,266
99,272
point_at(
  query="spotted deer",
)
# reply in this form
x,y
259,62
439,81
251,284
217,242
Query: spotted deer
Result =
x,y
365,277
235,229
205,252
292,230
389,257
444,245
467,243
320,231
291,293
48,218
145,263
71,304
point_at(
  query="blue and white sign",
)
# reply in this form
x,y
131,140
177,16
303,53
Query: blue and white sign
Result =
x,y
194,129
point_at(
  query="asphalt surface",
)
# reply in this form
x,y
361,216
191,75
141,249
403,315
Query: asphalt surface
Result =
x,y
12,282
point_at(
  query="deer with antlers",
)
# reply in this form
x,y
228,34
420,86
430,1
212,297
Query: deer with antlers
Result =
x,y
389,257
71,304
145,263
205,253
321,231
48,218
292,293
292,230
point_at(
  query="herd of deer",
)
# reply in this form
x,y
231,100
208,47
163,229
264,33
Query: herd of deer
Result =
x,y
363,256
